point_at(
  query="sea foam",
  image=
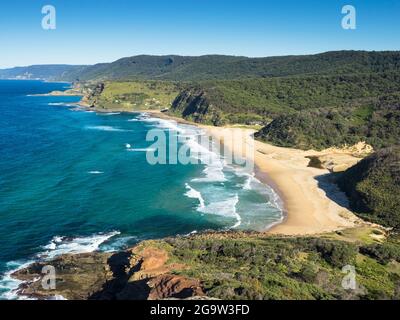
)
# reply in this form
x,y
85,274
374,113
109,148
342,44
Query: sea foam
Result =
x,y
194,194
57,246
106,128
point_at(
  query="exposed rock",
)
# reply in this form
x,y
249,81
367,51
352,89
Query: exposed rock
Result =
x,y
77,276
360,149
170,286
140,273
340,159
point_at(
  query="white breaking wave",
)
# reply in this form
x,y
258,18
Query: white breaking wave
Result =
x,y
109,113
58,104
63,245
189,135
194,194
208,156
128,146
170,125
247,185
252,183
9,284
214,173
226,208
141,149
105,128
162,123
57,246
95,172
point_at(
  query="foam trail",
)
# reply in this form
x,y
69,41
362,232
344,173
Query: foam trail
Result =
x,y
141,150
109,113
57,246
10,285
58,104
62,245
95,172
162,123
207,156
105,128
226,208
194,194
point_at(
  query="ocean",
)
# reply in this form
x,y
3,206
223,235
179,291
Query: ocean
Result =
x,y
75,181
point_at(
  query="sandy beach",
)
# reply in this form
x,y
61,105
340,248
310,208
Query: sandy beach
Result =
x,y
312,204
309,208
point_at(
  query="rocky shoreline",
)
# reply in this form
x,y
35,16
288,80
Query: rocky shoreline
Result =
x,y
139,273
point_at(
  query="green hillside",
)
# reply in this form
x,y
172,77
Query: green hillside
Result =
x,y
212,67
134,95
181,68
374,120
302,111
373,187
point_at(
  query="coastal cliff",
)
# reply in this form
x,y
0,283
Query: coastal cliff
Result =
x,y
229,265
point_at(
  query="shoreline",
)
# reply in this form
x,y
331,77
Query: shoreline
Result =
x,y
307,209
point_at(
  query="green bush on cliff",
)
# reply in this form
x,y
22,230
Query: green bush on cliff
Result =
x,y
249,267
373,187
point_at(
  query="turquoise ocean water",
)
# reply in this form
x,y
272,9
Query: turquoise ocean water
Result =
x,y
77,181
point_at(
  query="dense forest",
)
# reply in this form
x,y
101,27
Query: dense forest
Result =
x,y
181,68
302,111
209,67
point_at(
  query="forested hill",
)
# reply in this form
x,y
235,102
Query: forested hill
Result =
x,y
211,67
180,68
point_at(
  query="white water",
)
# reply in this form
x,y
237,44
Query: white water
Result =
x,y
57,246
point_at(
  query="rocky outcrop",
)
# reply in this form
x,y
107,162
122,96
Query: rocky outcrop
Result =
x,y
140,273
77,276
195,105
170,286
91,95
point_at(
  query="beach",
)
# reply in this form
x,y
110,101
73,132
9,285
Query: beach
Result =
x,y
312,204
308,208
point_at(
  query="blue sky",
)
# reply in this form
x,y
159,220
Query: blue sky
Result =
x,y
91,31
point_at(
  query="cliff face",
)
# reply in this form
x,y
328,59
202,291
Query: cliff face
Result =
x,y
195,105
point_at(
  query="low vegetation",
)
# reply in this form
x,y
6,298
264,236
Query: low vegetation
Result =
x,y
232,265
135,95
253,267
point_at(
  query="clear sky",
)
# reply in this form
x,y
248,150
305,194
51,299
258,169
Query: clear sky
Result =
x,y
91,31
